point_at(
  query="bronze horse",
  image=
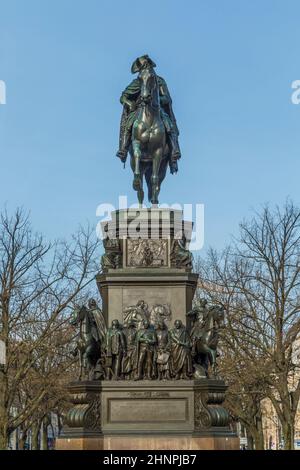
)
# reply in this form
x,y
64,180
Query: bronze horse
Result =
x,y
205,336
149,149
88,344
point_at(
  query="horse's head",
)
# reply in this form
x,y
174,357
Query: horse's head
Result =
x,y
149,88
218,315
78,315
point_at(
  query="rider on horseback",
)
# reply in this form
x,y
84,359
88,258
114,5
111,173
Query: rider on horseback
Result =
x,y
130,99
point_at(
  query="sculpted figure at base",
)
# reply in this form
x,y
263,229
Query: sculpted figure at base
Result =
x,y
129,361
205,336
146,341
144,348
112,258
136,314
92,330
98,319
159,313
115,350
181,360
163,352
181,257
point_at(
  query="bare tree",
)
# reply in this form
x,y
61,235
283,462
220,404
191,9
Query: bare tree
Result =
x,y
54,367
257,279
39,283
244,396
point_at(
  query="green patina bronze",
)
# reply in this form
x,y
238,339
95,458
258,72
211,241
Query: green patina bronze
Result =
x,y
148,129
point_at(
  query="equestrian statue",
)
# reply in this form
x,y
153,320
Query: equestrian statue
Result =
x,y
89,340
205,333
148,129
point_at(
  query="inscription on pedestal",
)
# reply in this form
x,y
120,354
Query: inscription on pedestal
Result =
x,y
144,412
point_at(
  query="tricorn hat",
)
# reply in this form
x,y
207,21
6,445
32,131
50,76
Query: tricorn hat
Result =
x,y
140,62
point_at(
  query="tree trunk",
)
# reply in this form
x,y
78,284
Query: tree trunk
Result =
x,y
3,410
288,435
3,430
22,440
3,438
259,440
259,433
59,423
45,434
35,430
250,440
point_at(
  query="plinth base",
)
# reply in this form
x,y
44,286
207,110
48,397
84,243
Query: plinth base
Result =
x,y
148,443
148,415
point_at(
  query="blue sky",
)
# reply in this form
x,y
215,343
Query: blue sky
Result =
x,y
229,66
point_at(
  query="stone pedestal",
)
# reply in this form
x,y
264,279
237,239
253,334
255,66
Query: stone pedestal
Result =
x,y
142,263
184,414
147,265
120,288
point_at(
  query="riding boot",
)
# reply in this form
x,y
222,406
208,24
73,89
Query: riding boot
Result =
x,y
124,145
175,150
